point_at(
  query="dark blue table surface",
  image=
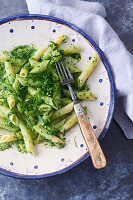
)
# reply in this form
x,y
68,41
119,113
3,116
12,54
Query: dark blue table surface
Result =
x,y
115,182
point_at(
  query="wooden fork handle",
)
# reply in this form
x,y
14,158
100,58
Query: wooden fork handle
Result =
x,y
96,153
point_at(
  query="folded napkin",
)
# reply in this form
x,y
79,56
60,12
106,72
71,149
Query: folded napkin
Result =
x,y
89,17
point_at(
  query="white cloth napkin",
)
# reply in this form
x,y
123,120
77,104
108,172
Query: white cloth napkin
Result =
x,y
89,17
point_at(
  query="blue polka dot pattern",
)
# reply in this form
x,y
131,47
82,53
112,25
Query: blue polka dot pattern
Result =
x,y
54,30
94,127
73,40
32,27
81,145
62,160
35,167
11,30
11,163
101,103
100,80
90,58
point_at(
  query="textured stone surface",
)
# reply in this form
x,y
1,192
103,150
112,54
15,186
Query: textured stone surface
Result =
x,y
115,182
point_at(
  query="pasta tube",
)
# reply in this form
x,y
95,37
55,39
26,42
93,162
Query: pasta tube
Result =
x,y
16,69
44,108
33,62
16,85
27,82
48,100
38,54
10,137
32,91
65,101
24,72
69,124
2,101
71,50
27,138
11,100
3,124
85,95
60,124
3,57
57,42
64,110
9,71
13,118
41,67
87,71
45,63
72,68
42,131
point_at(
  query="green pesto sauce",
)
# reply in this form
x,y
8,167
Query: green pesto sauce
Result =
x,y
46,82
22,51
20,146
5,146
48,85
75,85
53,45
76,56
2,71
51,144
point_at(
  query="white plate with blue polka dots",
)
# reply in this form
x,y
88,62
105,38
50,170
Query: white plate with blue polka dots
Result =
x,y
38,30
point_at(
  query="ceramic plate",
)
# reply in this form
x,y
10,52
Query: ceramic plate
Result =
x,y
38,30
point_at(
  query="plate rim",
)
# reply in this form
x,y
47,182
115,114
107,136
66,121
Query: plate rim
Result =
x,y
112,90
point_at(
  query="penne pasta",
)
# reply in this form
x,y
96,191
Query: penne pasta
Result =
x,y
9,71
24,72
10,137
34,106
42,131
57,42
87,71
3,57
8,113
16,85
27,138
85,95
11,100
63,111
38,54
69,123
71,50
4,124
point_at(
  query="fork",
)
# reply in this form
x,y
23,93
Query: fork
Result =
x,y
96,153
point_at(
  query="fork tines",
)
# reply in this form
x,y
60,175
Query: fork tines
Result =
x,y
64,73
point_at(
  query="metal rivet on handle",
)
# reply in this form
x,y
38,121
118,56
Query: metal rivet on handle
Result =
x,y
92,140
83,118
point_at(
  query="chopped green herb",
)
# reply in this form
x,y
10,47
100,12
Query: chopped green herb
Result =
x,y
35,87
76,145
76,56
